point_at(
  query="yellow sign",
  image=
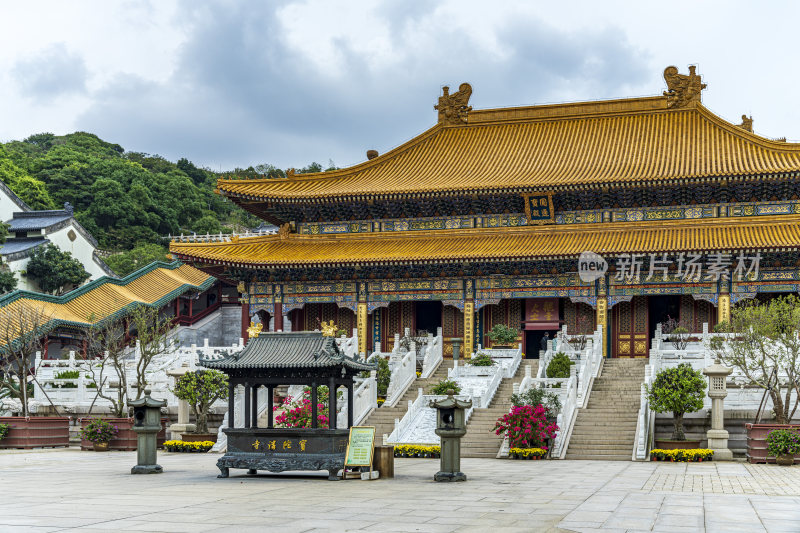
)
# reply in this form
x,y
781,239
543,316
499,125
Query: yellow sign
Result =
x,y
360,446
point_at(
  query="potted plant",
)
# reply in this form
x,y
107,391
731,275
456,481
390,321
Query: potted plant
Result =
x,y
444,385
526,427
678,390
200,389
503,336
783,444
481,359
765,351
99,432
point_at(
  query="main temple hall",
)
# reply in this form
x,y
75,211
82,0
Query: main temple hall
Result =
x,y
618,214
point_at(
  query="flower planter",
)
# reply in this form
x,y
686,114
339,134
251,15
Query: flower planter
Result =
x,y
677,444
35,432
101,446
126,439
198,437
785,460
757,441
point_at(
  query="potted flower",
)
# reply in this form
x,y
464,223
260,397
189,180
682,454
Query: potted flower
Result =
x,y
99,432
783,444
200,389
678,390
503,336
481,359
526,426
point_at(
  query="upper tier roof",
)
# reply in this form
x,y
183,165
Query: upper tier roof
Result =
x,y
615,142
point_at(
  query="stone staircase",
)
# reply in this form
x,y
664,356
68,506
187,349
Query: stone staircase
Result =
x,y
480,440
383,417
606,428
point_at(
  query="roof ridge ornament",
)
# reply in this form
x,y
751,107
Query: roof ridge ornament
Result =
x,y
747,123
453,108
684,90
283,231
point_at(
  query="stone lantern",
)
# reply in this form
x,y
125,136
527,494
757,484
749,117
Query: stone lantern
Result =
x,y
146,424
717,390
451,425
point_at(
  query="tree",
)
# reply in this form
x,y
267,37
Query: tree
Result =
x,y
108,343
763,344
126,262
53,269
34,193
151,330
209,224
8,282
22,330
678,390
201,389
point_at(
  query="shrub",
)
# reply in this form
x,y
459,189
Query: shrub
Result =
x,y
699,454
383,376
502,334
526,427
481,359
99,430
559,366
446,384
783,442
297,411
201,389
679,390
189,447
412,450
68,374
535,396
3,431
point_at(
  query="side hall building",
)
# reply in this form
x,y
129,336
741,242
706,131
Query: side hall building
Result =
x,y
615,213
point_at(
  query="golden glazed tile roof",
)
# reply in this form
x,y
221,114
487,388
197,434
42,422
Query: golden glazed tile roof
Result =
x,y
767,232
154,285
614,142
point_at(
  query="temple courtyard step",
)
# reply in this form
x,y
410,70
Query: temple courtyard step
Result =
x,y
383,417
480,440
606,428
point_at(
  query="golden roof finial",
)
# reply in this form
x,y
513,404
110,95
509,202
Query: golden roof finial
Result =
x,y
453,108
254,329
683,90
329,329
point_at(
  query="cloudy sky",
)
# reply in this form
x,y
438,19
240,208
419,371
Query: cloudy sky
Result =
x,y
235,83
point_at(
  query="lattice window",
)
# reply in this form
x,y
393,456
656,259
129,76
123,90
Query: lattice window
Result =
x,y
640,314
624,314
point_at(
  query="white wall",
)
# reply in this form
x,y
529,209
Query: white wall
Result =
x,y
81,249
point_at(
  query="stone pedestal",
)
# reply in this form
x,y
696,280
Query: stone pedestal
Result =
x,y
717,390
183,425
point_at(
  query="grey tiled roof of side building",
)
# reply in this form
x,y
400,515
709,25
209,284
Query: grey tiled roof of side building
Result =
x,y
288,350
44,219
13,246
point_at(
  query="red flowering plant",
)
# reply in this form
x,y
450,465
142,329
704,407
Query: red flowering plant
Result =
x,y
296,412
526,427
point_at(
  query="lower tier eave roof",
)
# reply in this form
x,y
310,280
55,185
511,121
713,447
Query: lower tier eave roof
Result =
x,y
766,233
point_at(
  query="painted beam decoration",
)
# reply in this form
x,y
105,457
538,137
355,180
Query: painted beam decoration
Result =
x,y
417,290
567,285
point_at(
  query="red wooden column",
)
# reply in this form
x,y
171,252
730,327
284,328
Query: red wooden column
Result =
x,y
245,320
278,317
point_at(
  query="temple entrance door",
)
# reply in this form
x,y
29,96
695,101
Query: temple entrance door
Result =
x,y
661,309
629,321
428,316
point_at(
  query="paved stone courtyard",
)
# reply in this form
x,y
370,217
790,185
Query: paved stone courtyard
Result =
x,y
70,490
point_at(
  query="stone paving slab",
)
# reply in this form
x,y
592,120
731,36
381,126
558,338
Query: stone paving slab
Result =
x,y
70,490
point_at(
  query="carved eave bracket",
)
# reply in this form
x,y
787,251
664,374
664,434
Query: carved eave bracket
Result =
x,y
453,108
684,90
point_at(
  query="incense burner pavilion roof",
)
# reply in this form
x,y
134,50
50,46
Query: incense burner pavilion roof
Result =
x,y
751,233
640,141
297,350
